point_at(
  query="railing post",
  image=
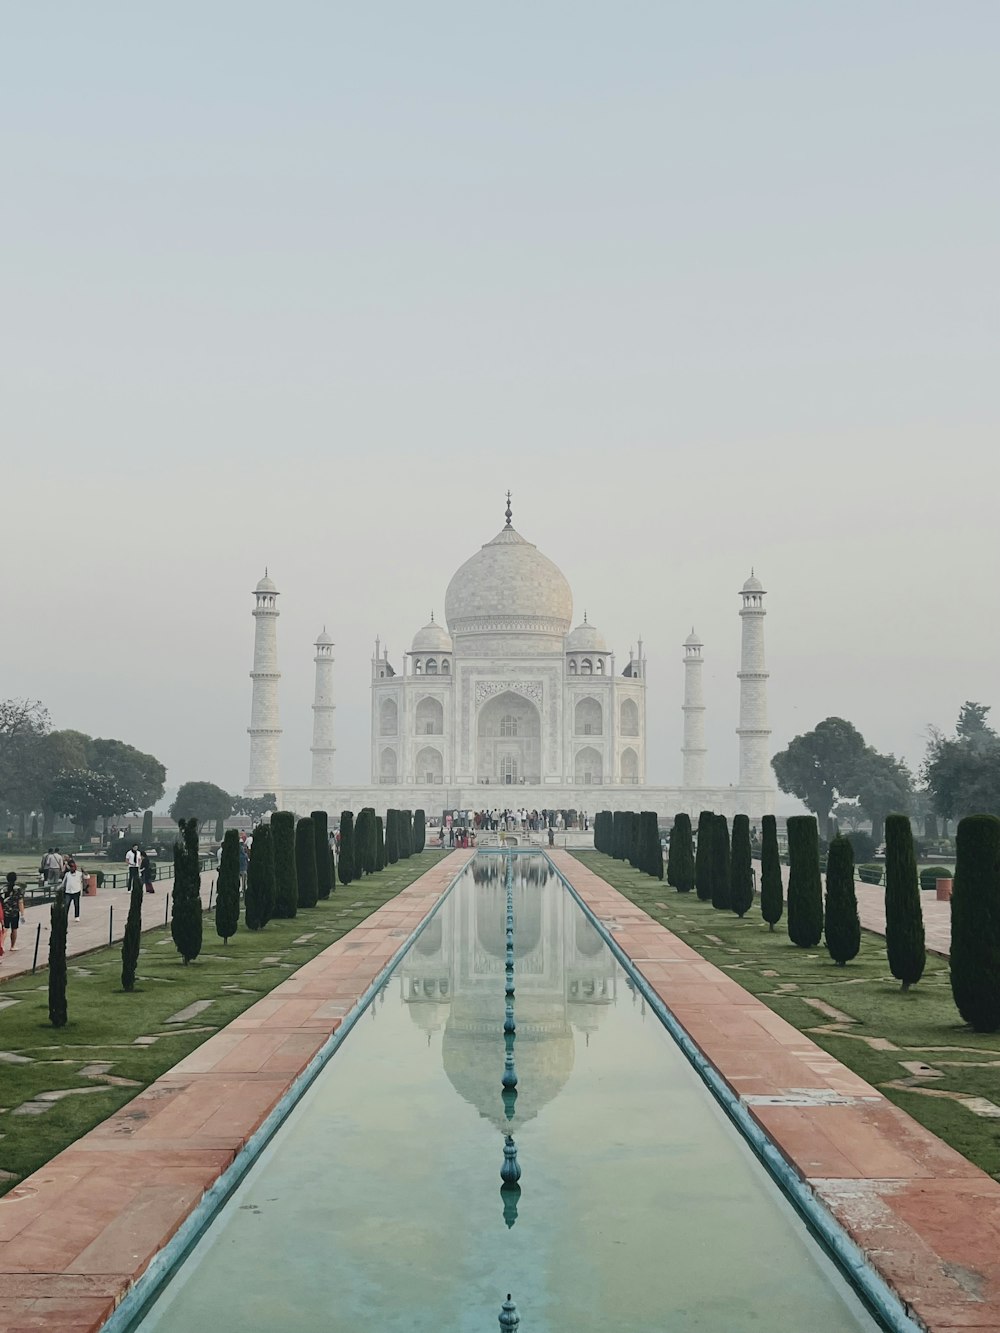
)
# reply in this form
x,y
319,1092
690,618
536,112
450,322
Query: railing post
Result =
x,y
166,909
38,936
111,924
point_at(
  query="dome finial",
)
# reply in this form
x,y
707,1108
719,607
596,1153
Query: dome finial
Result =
x,y
432,617
509,511
585,617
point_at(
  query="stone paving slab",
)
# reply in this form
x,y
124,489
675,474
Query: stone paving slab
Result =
x,y
77,1233
927,1219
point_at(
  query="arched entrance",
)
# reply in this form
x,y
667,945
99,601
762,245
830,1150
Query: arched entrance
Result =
x,y
509,741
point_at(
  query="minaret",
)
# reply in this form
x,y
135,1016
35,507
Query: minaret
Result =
x,y
753,731
265,732
323,706
694,714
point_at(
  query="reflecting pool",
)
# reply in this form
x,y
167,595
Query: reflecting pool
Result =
x,y
378,1205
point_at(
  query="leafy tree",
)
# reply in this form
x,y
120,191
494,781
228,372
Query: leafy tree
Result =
x,y
849,814
805,889
962,773
185,913
904,918
305,863
227,887
975,922
132,938
419,831
255,807
345,860
147,829
883,783
972,726
324,857
140,775
772,891
84,795
379,843
741,871
720,867
260,892
680,856
819,767
23,725
201,800
59,927
286,891
391,837
843,927
703,856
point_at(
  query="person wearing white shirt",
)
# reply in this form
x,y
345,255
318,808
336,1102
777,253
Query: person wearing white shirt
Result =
x,y
72,886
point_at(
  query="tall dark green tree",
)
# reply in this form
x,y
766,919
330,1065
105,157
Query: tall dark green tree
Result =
x,y
975,922
220,830
345,856
904,917
772,890
652,849
619,842
185,906
286,887
405,834
391,837
260,880
805,888
379,843
722,895
741,871
59,926
147,829
680,868
703,855
306,874
324,859
842,926
132,938
419,832
227,887
632,832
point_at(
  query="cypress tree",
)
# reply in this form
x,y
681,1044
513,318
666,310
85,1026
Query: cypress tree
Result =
x,y
405,834
227,887
147,829
220,829
132,938
682,854
975,922
419,832
391,837
286,889
185,908
371,848
631,839
306,873
59,926
324,860
260,880
653,856
741,871
843,928
619,846
722,896
379,843
345,860
772,892
703,856
805,889
904,918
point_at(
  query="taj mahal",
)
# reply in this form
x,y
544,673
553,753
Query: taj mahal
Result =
x,y
508,704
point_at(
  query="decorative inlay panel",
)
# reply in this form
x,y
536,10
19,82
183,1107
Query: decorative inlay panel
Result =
x,y
488,689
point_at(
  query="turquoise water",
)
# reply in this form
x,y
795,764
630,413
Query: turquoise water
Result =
x,y
378,1204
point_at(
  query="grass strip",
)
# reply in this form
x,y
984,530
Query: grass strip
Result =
x,y
882,1029
104,1023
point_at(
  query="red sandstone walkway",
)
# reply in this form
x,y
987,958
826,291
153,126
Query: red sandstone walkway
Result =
x,y
927,1219
77,1233
101,921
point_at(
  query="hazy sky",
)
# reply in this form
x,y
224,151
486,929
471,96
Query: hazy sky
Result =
x,y
311,284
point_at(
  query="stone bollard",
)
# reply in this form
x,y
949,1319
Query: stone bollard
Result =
x,y
943,890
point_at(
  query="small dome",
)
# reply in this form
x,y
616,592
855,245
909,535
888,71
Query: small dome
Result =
x,y
753,584
266,584
324,639
692,640
586,638
433,638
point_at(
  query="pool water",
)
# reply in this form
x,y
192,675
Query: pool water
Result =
x,y
378,1204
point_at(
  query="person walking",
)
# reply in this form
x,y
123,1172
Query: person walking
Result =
x,y
12,907
72,886
133,860
244,863
146,872
52,862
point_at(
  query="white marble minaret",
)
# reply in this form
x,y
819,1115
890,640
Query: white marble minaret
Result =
x,y
753,731
694,713
265,730
323,706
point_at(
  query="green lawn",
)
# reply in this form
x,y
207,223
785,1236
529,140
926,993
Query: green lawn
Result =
x,y
104,1022
922,1025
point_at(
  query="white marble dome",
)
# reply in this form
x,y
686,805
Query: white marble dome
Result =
x,y
586,638
266,584
753,584
432,638
509,585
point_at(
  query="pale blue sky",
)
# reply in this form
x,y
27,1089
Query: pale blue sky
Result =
x,y
311,284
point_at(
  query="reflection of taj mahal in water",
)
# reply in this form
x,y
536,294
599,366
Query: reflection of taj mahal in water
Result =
x,y
452,982
510,696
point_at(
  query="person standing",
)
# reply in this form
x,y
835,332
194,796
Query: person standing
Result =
x,y
244,862
12,903
72,886
133,860
146,872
